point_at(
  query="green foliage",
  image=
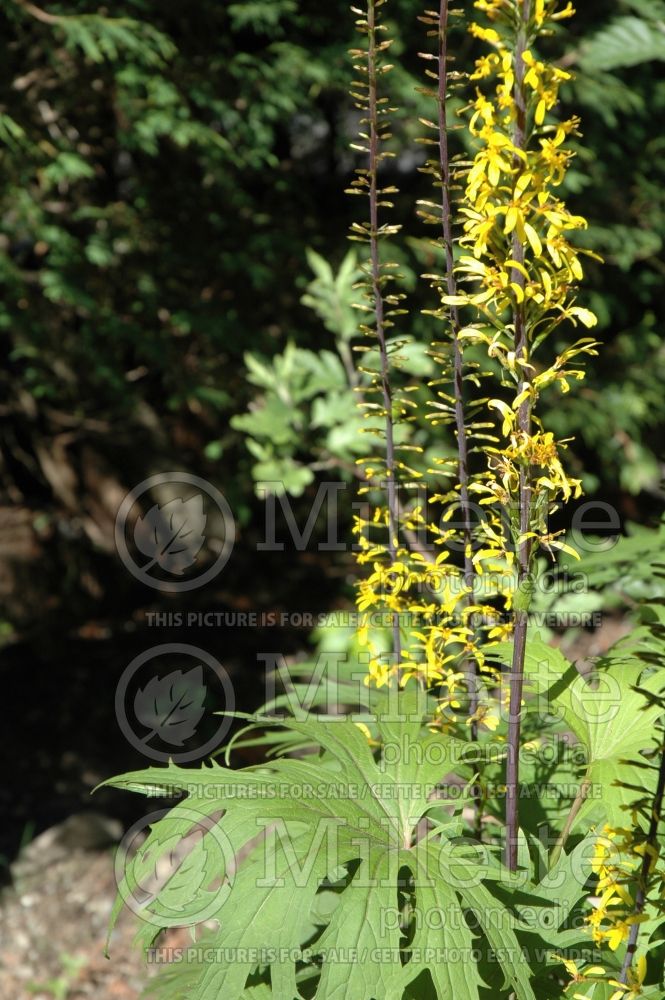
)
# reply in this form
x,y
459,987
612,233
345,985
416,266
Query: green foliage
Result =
x,y
626,41
308,404
627,568
332,296
301,390
101,38
338,832
142,255
319,845
607,711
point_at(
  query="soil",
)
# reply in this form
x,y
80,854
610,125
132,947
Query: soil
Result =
x,y
53,925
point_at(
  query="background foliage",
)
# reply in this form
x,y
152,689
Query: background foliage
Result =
x,y
165,173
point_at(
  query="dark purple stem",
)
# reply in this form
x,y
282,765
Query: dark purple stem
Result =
x,y
524,427
391,485
451,283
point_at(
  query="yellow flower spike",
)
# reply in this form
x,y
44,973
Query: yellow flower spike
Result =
x,y
510,199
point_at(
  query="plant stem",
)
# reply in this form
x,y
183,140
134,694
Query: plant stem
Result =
x,y
524,428
572,815
641,895
469,666
39,14
374,138
451,282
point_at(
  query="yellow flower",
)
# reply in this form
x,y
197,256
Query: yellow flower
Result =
x,y
378,673
568,11
501,633
544,81
485,34
577,975
485,66
492,7
485,717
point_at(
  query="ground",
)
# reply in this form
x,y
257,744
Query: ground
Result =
x,y
53,924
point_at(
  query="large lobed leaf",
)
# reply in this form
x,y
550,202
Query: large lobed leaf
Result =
x,y
295,829
609,712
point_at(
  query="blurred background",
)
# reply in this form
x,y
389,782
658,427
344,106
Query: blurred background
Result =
x,y
177,295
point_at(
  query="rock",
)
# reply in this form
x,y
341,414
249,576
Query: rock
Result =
x,y
85,831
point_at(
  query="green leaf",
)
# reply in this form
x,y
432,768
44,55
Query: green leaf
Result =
x,y
101,38
282,475
293,827
615,723
331,295
612,720
273,420
258,14
627,41
68,167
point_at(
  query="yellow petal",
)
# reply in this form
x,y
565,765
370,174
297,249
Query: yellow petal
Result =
x,y
533,238
511,219
585,316
576,268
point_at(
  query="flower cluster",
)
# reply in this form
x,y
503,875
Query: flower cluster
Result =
x,y
616,861
619,865
418,585
514,286
597,974
520,269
